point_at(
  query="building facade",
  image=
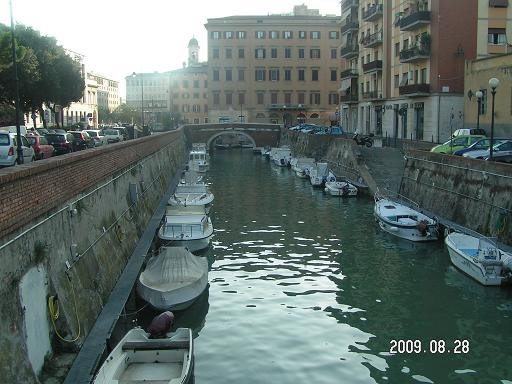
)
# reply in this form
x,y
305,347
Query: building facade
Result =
x,y
403,66
494,27
108,92
273,69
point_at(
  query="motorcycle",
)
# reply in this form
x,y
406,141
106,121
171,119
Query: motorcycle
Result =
x,y
364,140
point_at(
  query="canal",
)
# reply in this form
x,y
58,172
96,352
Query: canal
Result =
x,y
305,288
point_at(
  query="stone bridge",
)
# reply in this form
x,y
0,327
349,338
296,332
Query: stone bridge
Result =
x,y
260,135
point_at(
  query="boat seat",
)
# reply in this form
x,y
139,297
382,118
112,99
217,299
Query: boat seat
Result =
x,y
153,345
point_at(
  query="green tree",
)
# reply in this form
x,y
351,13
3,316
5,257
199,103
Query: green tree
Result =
x,y
126,114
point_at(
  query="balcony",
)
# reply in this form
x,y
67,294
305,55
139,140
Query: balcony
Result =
x,y
414,20
372,95
350,26
349,51
498,3
372,66
372,40
373,12
287,107
414,90
349,98
414,54
347,4
349,73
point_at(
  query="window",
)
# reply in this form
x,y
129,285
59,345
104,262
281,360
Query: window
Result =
x,y
333,35
185,83
216,98
240,35
287,98
206,83
315,35
314,75
288,74
229,75
397,49
273,98
260,98
423,76
334,75
215,53
241,75
301,98
216,76
287,35
302,76
302,34
301,53
196,83
229,53
228,35
260,34
274,35
241,53
260,74
314,53
215,35
287,53
229,98
259,53
273,74
241,98
196,95
397,81
497,36
334,53
314,98
333,99
273,53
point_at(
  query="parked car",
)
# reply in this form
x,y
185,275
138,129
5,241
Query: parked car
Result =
x,y
42,131
122,131
503,146
482,144
112,135
469,132
42,149
457,143
501,157
97,137
8,149
62,142
82,140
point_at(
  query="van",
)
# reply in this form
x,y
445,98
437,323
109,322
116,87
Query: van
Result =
x,y
8,150
12,129
469,131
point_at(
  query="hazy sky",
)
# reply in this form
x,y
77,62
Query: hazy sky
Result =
x,y
119,37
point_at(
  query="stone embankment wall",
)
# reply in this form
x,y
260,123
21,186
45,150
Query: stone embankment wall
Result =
x,y
67,227
472,193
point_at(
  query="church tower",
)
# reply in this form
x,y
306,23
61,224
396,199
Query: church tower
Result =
x,y
193,52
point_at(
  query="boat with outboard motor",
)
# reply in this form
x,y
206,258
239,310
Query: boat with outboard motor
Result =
x,y
340,188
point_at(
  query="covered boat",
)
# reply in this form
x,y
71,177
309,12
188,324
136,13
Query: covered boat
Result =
x,y
340,188
198,160
173,279
404,222
192,195
186,227
139,359
479,258
318,174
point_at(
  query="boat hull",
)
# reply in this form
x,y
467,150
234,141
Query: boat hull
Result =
x,y
407,232
194,245
349,191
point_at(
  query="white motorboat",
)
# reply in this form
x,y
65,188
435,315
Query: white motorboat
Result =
x,y
139,359
300,163
479,258
318,174
198,160
188,227
340,188
173,279
281,156
404,222
192,195
265,152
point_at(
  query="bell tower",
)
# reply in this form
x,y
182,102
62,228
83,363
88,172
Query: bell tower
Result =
x,y
193,52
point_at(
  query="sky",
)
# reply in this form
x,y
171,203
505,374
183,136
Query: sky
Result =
x,y
119,37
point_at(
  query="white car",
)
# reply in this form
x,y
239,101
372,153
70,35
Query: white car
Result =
x,y
501,146
112,135
8,149
469,131
97,137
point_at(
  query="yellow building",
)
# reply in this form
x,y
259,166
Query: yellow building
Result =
x,y
494,27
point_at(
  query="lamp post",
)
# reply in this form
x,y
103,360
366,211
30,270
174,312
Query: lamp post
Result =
x,y
493,83
479,96
19,150
142,96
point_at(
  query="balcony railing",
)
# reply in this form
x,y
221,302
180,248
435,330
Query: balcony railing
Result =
x,y
372,95
414,89
350,25
372,40
349,4
350,50
349,98
373,12
349,73
414,54
375,65
498,3
414,20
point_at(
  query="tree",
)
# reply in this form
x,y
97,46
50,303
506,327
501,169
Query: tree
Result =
x,y
105,115
126,114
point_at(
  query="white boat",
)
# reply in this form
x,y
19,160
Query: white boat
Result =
x,y
479,258
281,156
191,178
139,359
404,222
340,188
318,174
303,164
192,195
188,227
173,279
265,152
198,160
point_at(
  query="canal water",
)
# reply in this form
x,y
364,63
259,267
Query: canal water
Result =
x,y
305,288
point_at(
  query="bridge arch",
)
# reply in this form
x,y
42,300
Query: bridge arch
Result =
x,y
219,134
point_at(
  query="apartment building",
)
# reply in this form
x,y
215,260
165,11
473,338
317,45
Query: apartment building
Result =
x,y
108,91
403,66
276,68
494,27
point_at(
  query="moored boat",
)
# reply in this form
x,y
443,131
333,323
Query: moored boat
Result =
x,y
340,188
281,156
318,174
192,195
198,160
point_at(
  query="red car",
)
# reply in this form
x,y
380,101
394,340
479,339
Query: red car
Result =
x,y
42,149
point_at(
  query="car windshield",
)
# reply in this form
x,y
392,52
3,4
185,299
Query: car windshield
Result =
x,y
32,140
55,138
4,139
78,135
92,133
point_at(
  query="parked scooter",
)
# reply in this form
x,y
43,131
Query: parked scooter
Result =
x,y
364,140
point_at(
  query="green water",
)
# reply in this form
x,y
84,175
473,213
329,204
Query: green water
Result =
x,y
304,288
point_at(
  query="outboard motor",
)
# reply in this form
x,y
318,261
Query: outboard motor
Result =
x,y
161,325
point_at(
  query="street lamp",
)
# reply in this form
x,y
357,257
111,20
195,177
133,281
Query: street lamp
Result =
x,y
493,83
479,95
142,95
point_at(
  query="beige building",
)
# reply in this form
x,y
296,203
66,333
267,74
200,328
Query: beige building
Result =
x,y
403,65
478,73
494,27
276,68
108,92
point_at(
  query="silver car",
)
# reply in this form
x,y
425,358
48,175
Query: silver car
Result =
x,y
8,150
97,137
502,145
